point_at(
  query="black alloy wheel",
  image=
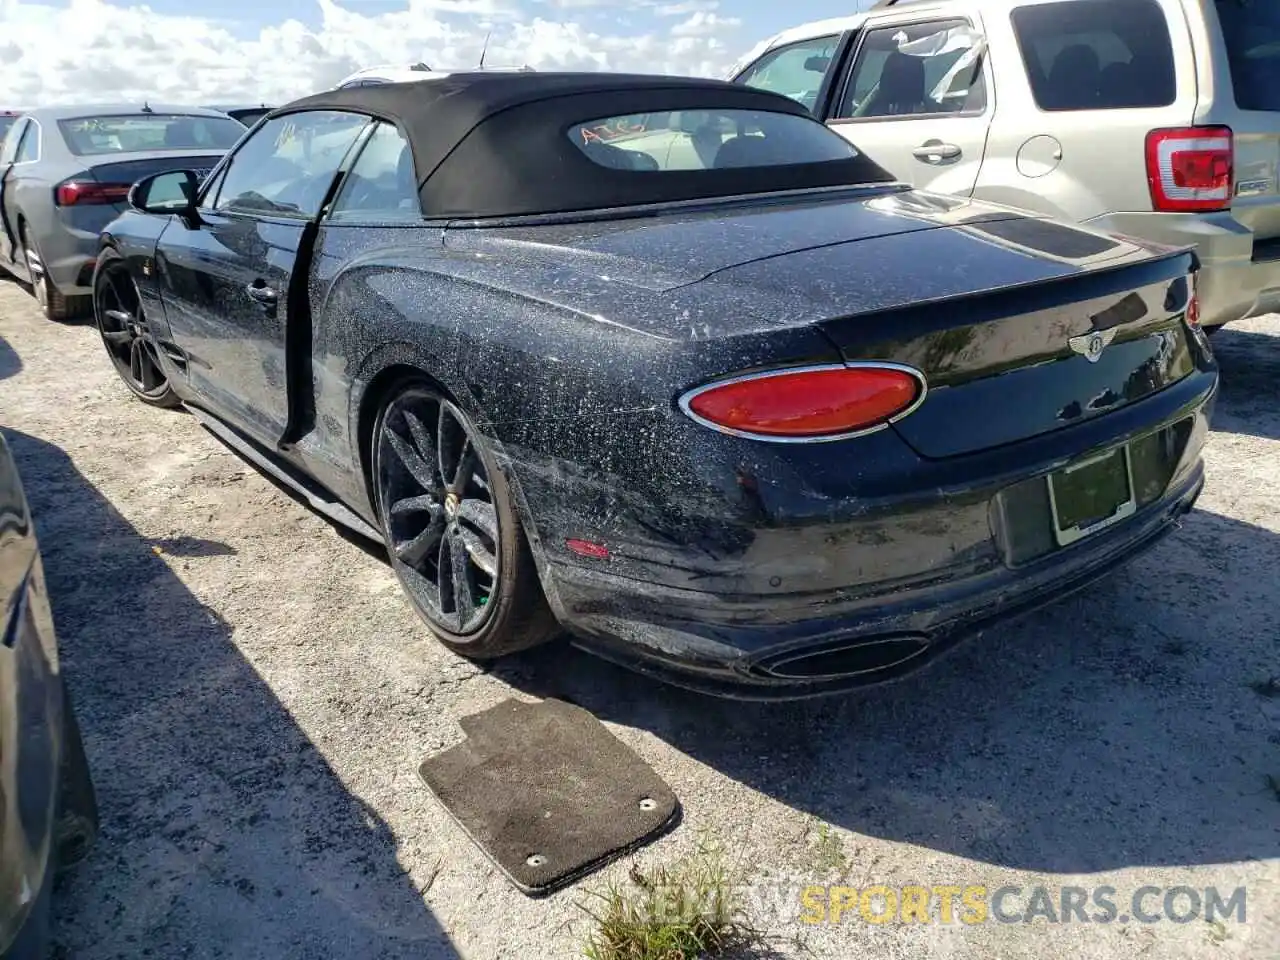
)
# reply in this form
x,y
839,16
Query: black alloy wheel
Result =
x,y
123,325
451,528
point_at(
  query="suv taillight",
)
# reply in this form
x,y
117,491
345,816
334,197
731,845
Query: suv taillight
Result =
x,y
1191,169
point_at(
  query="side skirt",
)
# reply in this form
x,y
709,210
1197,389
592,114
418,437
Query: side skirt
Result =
x,y
321,500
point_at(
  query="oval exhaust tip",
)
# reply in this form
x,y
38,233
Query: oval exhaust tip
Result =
x,y
849,658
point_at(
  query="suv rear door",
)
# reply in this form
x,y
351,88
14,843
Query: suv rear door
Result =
x,y
1082,83
914,95
1244,60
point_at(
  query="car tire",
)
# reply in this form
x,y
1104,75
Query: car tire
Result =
x,y
53,303
127,339
475,522
76,829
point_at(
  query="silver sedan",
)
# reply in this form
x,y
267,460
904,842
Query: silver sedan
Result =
x,y
65,173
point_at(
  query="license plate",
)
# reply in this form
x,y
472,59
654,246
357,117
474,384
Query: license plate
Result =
x,y
1092,495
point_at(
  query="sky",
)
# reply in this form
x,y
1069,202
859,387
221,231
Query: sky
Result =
x,y
271,51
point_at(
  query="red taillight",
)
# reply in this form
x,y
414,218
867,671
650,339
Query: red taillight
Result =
x,y
1191,168
808,403
74,193
1193,301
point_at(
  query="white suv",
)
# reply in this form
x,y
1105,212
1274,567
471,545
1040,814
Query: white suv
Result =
x,y
1159,119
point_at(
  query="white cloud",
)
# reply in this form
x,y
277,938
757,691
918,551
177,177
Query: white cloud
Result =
x,y
704,24
95,51
687,6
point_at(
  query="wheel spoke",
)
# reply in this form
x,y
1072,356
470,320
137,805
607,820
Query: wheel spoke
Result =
x,y
135,361
447,430
424,502
117,338
122,317
413,462
123,299
463,594
420,436
480,515
413,552
478,552
467,462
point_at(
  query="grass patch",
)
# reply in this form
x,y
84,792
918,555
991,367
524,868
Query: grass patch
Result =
x,y
829,852
684,911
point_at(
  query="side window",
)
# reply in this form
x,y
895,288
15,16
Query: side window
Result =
x,y
286,166
9,150
381,184
1096,54
795,71
918,69
29,148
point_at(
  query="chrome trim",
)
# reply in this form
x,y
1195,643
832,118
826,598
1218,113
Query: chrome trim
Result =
x,y
689,396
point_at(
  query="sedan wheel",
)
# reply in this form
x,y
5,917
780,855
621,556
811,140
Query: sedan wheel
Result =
x,y
123,325
451,529
53,304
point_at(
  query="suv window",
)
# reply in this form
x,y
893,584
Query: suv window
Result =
x,y
1096,54
1252,35
795,70
918,69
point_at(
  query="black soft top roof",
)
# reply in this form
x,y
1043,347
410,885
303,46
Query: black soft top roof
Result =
x,y
496,144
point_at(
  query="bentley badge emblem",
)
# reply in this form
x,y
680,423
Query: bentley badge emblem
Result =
x,y
1090,345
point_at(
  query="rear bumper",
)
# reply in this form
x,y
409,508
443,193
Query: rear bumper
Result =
x,y
1236,280
737,644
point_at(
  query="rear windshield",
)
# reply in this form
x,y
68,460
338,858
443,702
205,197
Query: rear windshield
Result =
x,y
707,139
93,136
1096,54
1251,30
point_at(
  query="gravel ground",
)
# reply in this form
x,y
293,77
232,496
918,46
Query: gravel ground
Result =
x,y
256,696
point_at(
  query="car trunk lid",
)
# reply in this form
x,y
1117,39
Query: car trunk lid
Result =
x,y
1072,325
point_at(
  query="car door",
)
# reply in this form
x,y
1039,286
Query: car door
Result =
x,y
916,97
8,156
235,284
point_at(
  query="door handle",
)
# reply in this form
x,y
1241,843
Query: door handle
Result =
x,y
935,151
262,294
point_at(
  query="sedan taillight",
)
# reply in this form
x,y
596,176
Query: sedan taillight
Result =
x,y
1191,169
827,402
75,193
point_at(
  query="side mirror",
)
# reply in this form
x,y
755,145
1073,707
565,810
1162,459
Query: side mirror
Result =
x,y
817,64
173,191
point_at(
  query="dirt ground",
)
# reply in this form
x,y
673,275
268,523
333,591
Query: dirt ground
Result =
x,y
256,696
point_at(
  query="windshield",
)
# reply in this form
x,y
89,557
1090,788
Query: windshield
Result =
x,y
1251,31
5,124
707,139
93,136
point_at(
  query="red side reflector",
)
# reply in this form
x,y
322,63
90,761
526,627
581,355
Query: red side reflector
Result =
x,y
1191,168
585,548
74,193
826,402
1193,302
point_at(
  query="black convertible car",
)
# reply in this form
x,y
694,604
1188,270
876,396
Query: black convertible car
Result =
x,y
669,364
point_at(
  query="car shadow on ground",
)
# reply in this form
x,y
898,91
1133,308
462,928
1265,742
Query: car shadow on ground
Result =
x,y
199,768
1250,367
1116,729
